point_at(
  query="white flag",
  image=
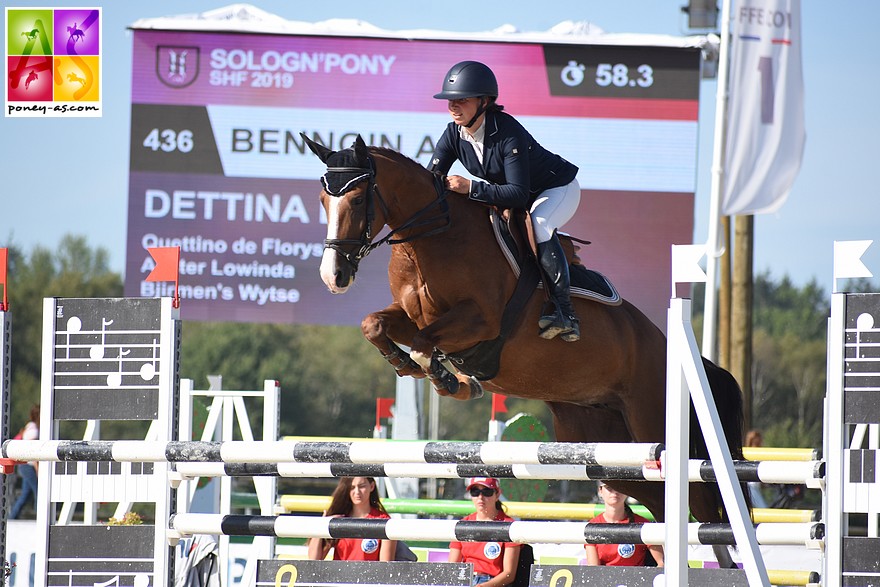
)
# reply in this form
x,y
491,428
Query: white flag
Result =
x,y
765,108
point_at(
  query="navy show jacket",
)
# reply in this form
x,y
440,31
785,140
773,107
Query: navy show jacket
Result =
x,y
515,167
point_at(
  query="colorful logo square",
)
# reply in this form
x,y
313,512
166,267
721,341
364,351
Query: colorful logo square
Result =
x,y
77,32
53,62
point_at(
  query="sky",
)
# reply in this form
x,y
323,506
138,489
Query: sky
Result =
x,y
70,176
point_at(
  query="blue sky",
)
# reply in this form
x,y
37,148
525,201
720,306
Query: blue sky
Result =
x,y
65,176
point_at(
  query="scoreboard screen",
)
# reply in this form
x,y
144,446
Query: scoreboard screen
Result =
x,y
219,169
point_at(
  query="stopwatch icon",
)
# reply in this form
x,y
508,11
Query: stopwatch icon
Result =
x,y
573,74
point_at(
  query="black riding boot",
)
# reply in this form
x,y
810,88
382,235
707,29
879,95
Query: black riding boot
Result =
x,y
554,266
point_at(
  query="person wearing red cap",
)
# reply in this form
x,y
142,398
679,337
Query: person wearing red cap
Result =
x,y
494,562
619,555
354,497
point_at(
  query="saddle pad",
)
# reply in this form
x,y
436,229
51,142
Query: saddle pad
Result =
x,y
585,283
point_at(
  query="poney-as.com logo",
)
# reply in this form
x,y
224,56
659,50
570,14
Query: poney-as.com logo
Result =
x,y
53,62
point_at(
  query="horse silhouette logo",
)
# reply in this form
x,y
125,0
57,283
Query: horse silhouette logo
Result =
x,y
75,34
72,77
177,67
31,34
32,76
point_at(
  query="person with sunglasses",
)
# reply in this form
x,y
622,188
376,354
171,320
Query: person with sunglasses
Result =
x,y
354,497
620,555
494,562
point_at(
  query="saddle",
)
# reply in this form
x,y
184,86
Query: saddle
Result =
x,y
513,232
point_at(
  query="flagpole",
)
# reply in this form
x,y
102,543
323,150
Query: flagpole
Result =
x,y
714,248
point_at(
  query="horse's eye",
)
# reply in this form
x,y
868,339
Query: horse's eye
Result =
x,y
358,200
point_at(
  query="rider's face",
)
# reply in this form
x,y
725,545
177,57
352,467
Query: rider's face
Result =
x,y
463,109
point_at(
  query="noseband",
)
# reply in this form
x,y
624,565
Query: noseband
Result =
x,y
364,245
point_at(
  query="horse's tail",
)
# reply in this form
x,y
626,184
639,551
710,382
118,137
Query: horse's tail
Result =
x,y
729,402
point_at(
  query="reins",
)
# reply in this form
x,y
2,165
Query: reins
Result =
x,y
365,245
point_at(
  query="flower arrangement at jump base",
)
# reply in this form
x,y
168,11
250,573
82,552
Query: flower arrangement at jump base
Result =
x,y
129,519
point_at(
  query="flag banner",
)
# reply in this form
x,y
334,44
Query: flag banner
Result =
x,y
383,407
765,108
848,259
498,404
167,260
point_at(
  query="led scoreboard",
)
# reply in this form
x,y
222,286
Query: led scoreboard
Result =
x,y
218,167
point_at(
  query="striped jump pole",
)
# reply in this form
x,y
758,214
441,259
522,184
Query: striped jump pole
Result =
x,y
518,509
772,472
483,453
187,524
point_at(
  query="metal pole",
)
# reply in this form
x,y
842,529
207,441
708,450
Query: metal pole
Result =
x,y
713,248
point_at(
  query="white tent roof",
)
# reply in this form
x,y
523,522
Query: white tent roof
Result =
x,y
250,19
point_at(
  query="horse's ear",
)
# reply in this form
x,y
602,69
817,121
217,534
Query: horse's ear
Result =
x,y
318,149
360,149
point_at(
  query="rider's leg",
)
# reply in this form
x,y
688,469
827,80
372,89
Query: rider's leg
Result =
x,y
562,321
551,209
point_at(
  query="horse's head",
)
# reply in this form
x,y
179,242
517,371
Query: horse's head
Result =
x,y
348,198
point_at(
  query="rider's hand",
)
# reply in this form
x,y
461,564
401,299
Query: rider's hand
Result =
x,y
458,184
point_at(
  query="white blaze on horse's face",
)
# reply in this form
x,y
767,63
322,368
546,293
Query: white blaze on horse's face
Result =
x,y
329,264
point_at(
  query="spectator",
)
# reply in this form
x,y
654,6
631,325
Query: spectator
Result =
x,y
755,438
27,471
620,555
494,563
354,497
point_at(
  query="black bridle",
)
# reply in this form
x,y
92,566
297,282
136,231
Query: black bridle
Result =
x,y
364,245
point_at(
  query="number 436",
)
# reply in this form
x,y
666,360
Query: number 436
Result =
x,y
169,140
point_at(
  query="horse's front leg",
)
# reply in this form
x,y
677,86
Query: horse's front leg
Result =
x,y
383,328
461,327
447,381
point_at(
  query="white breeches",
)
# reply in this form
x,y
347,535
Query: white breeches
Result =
x,y
553,208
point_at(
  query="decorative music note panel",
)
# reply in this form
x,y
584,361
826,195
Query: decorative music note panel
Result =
x,y
103,481
101,556
861,416
108,358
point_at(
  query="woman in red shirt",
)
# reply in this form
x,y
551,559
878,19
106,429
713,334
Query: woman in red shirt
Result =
x,y
619,555
494,562
354,497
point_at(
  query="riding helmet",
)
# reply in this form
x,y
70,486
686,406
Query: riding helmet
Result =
x,y
468,79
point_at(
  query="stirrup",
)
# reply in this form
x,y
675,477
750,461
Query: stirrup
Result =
x,y
552,326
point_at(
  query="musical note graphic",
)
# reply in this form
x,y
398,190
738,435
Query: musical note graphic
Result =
x,y
864,323
115,379
97,351
141,580
74,324
113,581
148,370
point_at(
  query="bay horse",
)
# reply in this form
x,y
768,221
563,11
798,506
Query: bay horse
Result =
x,y
449,283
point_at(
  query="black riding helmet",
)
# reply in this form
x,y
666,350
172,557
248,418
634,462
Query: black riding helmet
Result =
x,y
468,79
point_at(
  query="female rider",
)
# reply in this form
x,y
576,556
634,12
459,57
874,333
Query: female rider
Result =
x,y
518,172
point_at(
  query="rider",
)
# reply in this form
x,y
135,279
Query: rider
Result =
x,y
518,172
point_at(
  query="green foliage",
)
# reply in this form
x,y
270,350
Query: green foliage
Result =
x,y
789,358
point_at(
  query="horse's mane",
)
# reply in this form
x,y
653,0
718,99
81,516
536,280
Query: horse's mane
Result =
x,y
398,157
